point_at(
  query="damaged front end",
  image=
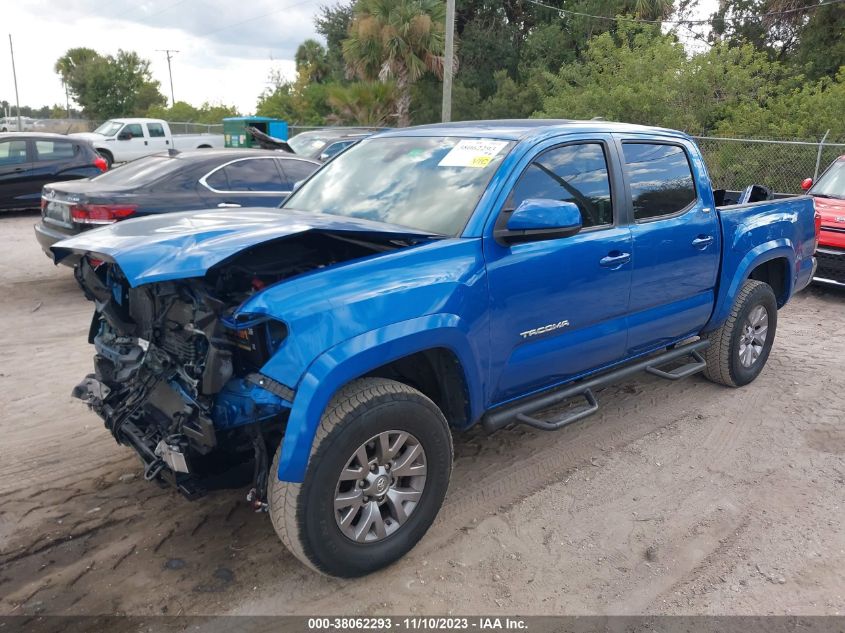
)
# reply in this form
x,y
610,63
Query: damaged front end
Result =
x,y
177,376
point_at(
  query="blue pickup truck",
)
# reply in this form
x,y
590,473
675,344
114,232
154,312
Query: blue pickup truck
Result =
x,y
424,281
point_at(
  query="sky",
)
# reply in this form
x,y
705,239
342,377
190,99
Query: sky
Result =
x,y
226,49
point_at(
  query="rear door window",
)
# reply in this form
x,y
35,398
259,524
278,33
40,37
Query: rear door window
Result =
x,y
660,178
47,150
254,174
155,130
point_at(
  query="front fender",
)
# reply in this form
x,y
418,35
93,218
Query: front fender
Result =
x,y
356,357
729,286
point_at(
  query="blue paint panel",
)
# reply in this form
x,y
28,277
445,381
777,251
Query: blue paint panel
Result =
x,y
357,356
757,233
444,276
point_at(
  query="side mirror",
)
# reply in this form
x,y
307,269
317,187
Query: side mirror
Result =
x,y
124,136
541,219
806,184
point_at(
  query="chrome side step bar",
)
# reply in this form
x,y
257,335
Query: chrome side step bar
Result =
x,y
520,412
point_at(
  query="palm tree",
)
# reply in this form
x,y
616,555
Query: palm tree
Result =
x,y
311,59
398,39
653,9
368,103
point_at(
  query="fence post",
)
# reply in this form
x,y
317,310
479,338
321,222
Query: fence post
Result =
x,y
819,156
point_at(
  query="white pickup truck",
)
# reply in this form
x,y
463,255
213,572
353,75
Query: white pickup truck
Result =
x,y
122,140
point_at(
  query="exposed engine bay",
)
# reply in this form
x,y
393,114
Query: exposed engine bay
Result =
x,y
177,379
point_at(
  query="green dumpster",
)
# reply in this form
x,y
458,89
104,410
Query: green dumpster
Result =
x,y
235,134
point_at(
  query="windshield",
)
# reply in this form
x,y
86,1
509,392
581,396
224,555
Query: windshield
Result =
x,y
426,183
307,144
832,182
109,128
141,171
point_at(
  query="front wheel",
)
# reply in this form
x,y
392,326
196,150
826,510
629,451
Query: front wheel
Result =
x,y
376,478
740,348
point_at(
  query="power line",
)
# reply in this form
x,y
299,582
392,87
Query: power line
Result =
x,y
124,15
258,17
621,18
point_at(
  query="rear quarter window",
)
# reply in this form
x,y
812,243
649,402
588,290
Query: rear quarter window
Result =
x,y
296,170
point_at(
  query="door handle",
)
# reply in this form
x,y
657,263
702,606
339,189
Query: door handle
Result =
x,y
702,241
145,143
228,205
614,259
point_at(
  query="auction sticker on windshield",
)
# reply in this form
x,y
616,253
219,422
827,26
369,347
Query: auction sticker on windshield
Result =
x,y
472,153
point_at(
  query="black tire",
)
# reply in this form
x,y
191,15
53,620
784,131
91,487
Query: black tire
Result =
x,y
107,156
723,356
304,514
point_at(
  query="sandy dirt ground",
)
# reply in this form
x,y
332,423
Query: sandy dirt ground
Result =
x,y
684,498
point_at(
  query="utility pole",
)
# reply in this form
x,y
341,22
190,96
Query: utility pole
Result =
x,y
15,78
168,51
448,62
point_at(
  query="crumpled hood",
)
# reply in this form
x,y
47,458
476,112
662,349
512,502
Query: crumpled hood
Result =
x,y
183,245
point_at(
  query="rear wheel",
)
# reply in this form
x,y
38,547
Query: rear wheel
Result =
x,y
377,475
740,348
106,156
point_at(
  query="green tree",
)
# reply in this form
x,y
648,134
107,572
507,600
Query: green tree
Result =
x,y
772,26
298,102
634,74
108,86
821,46
183,111
399,39
512,100
804,112
332,22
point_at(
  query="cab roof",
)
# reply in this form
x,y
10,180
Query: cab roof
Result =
x,y
523,129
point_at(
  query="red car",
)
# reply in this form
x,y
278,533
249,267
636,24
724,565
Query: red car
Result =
x,y
829,194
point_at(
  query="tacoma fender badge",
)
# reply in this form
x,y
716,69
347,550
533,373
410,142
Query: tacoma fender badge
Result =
x,y
544,328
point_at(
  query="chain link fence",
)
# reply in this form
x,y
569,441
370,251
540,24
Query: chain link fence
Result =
x,y
735,163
